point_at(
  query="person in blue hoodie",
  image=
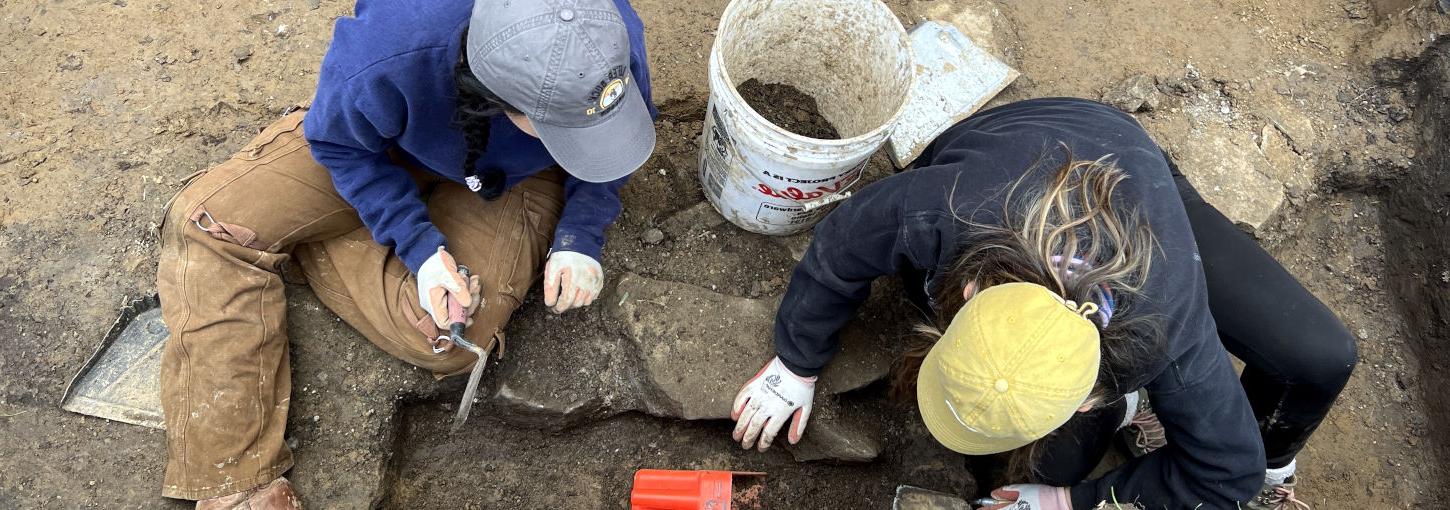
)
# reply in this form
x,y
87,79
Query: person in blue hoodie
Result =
x,y
492,134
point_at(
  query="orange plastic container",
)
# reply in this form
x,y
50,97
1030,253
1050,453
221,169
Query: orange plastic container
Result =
x,y
668,489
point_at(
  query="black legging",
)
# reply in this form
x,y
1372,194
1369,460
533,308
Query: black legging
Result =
x,y
1296,352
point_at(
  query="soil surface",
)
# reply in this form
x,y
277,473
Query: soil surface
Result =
x,y
1336,110
789,108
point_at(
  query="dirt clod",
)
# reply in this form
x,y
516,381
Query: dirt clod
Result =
x,y
789,108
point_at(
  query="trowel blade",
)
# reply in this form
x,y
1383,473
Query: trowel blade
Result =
x,y
917,498
122,379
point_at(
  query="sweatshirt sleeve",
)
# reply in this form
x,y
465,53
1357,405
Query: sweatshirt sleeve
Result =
x,y
350,127
863,239
1214,457
589,208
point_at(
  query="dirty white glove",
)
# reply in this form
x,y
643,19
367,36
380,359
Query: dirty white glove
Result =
x,y
1031,496
439,280
775,395
571,280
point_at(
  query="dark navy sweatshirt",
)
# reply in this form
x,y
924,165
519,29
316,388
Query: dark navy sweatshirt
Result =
x,y
906,224
387,83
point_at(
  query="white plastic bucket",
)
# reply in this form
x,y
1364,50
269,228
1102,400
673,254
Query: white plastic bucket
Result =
x,y
852,56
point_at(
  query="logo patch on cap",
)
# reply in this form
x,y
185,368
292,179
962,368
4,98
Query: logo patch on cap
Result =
x,y
607,93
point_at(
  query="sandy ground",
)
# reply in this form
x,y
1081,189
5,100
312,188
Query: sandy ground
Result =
x,y
108,105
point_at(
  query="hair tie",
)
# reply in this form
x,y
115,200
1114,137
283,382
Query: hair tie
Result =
x,y
1070,266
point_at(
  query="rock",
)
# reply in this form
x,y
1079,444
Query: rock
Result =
x,y
916,498
797,244
242,53
1229,170
72,62
1285,165
859,363
1138,93
523,404
697,346
314,4
698,216
827,437
652,236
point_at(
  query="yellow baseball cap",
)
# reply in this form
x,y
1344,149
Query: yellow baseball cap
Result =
x,y
1016,362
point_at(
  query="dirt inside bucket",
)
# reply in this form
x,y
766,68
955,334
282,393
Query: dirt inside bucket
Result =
x,y
787,107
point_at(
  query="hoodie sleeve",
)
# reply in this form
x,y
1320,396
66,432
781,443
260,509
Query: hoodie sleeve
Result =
x,y
866,237
351,126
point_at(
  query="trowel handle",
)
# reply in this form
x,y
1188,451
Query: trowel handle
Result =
x,y
456,318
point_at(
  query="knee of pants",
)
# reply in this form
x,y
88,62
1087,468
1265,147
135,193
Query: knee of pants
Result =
x,y
1329,363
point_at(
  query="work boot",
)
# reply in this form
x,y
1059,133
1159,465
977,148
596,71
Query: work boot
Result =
x,y
1277,497
1144,432
277,495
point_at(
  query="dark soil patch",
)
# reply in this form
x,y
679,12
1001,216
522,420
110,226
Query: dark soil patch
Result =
x,y
492,464
789,108
1418,217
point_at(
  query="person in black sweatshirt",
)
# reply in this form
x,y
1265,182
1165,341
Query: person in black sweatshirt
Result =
x,y
1068,201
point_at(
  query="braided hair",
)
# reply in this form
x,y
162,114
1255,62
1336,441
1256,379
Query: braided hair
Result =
x,y
476,106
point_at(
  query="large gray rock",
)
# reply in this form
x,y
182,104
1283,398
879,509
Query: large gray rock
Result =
x,y
697,347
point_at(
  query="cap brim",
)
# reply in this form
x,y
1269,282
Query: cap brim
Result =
x,y
608,150
931,400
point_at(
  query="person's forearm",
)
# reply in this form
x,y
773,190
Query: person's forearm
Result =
x,y
386,199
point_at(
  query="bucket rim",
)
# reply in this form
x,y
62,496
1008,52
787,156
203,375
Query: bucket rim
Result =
x,y
718,61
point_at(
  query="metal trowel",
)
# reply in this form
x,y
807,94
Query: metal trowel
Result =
x,y
122,379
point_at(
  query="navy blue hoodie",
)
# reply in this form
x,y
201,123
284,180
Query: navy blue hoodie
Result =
x,y
387,83
907,224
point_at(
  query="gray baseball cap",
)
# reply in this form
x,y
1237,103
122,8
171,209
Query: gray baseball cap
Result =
x,y
565,64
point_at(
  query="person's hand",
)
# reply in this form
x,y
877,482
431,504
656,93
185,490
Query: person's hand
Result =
x,y
775,395
438,281
571,280
1031,496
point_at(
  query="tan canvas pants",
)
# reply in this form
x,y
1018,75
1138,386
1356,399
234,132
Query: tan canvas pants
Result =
x,y
225,378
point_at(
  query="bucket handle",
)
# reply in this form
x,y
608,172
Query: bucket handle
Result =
x,y
836,196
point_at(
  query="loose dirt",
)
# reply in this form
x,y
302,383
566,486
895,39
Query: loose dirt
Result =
x,y
789,108
108,106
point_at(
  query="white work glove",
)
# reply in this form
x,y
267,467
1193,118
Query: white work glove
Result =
x,y
1031,496
571,280
775,395
439,280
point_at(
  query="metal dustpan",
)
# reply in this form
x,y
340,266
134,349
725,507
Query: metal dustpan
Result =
x,y
122,380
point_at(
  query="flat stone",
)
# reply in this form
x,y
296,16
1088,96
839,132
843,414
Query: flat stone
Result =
x,y
830,436
796,244
1137,93
916,498
1228,169
524,405
699,216
697,346
860,362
